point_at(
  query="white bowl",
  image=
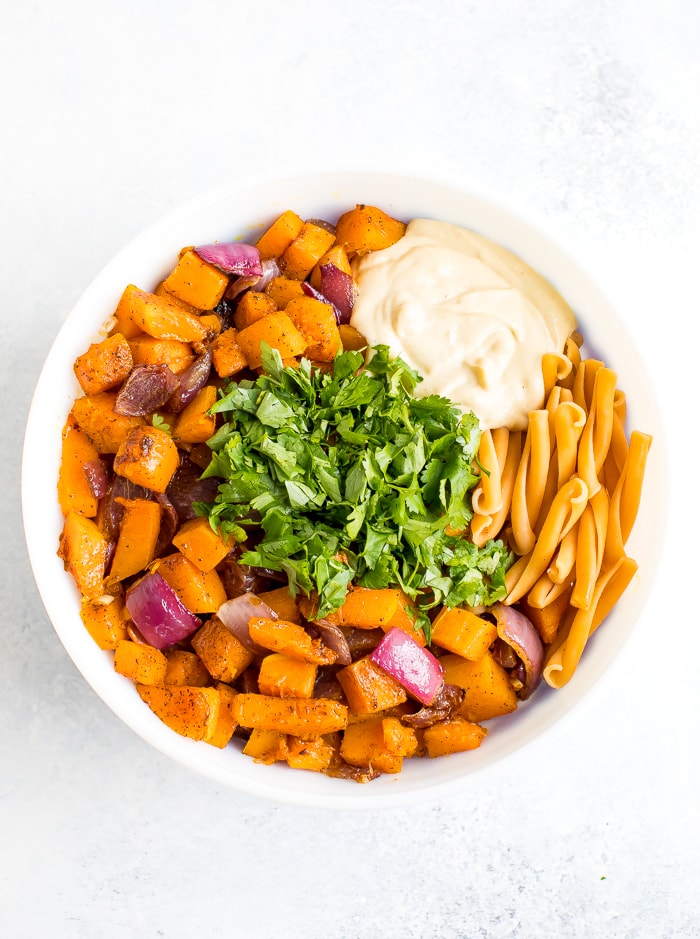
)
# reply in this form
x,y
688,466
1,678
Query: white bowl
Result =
x,y
242,211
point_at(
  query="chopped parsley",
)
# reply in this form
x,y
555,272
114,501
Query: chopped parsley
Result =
x,y
345,476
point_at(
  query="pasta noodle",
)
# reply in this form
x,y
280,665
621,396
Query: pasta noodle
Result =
x,y
595,438
484,527
530,482
590,545
488,495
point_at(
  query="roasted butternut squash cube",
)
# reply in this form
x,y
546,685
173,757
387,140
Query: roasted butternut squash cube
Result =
x,y
148,457
314,754
252,306
266,746
140,662
226,354
185,668
225,723
74,491
199,591
104,621
285,677
163,319
97,419
367,228
316,322
278,237
366,608
336,255
351,338
309,246
223,655
379,743
301,717
105,365
283,603
83,549
196,282
487,690
368,688
283,289
125,323
463,632
278,331
138,537
452,736
146,350
194,424
191,712
405,619
291,639
198,541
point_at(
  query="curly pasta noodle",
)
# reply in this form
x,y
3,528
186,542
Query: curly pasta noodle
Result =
x,y
483,527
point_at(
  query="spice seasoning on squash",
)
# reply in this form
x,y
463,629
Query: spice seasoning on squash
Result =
x,y
105,365
148,457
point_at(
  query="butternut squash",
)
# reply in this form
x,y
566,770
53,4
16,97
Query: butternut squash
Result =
x,y
487,690
225,722
224,657
104,621
301,717
97,419
194,424
252,306
368,688
74,492
367,228
379,743
140,662
196,282
266,746
105,365
463,632
138,536
199,591
290,639
227,355
185,668
191,712
283,289
314,754
305,251
83,549
148,457
146,350
285,677
278,237
318,326
198,541
278,331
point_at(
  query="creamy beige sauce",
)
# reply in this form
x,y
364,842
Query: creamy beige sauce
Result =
x,y
471,317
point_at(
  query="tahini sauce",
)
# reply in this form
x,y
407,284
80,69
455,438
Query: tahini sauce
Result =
x,y
471,317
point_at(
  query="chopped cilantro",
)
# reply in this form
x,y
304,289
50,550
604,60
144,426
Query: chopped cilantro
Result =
x,y
344,476
158,421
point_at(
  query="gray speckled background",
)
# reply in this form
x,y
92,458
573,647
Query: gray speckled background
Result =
x,y
587,114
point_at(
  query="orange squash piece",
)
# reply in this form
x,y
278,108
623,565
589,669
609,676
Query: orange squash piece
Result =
x,y
225,722
487,690
302,255
278,237
548,619
162,319
252,306
463,632
97,419
196,282
224,657
83,549
227,356
191,712
316,322
104,621
194,424
314,754
367,228
200,592
105,365
125,323
366,608
283,603
147,457
198,541
301,717
337,255
140,662
278,331
138,536
368,688
283,289
160,291
290,639
351,338
402,619
380,743
146,350
185,668
266,746
452,736
74,492
285,677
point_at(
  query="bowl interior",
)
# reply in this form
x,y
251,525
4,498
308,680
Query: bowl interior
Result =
x,y
242,212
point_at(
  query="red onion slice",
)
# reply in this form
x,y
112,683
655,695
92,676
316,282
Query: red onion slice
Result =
x,y
339,289
159,614
121,488
518,632
146,389
334,639
97,478
237,613
414,667
186,488
317,295
190,382
232,257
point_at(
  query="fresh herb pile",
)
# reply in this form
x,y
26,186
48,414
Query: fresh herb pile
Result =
x,y
347,477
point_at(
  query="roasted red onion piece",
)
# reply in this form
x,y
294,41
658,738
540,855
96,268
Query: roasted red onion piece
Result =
x,y
339,289
334,638
317,295
232,258
97,478
270,269
414,667
186,488
146,389
158,612
322,223
190,382
519,633
446,702
169,523
112,512
237,613
362,641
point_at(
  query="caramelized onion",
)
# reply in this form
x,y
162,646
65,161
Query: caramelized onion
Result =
x,y
333,638
146,389
232,257
97,477
190,382
339,289
187,488
518,632
446,702
159,614
237,613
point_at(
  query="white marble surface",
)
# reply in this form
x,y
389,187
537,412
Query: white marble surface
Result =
x,y
588,114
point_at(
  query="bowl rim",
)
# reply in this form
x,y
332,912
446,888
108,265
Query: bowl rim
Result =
x,y
83,655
